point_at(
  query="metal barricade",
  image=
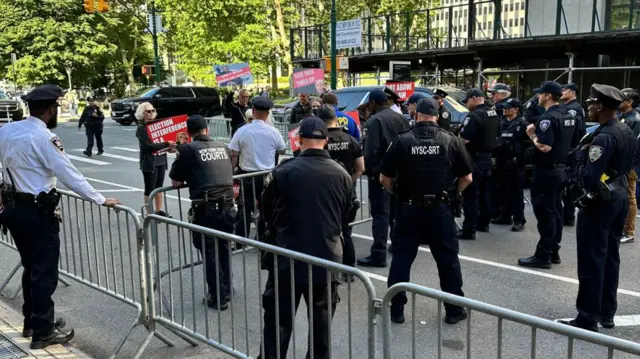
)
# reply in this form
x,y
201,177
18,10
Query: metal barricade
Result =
x,y
535,327
233,331
219,128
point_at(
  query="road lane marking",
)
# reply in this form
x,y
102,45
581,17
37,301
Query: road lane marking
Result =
x,y
105,154
87,160
129,187
126,149
620,320
513,268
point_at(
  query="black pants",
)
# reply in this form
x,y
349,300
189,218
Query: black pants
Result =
x,y
476,202
598,238
379,203
320,308
153,180
434,227
211,216
94,130
347,231
546,199
568,198
36,234
243,225
510,192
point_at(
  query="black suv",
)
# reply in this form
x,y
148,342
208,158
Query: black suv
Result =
x,y
169,101
10,110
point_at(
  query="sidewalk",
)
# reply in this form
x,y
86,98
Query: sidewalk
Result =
x,y
13,345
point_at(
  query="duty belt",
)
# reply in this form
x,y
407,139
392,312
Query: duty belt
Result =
x,y
428,200
616,184
43,200
550,166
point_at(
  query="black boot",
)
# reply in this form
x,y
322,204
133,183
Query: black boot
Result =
x,y
465,234
607,322
372,261
569,222
543,262
56,337
517,227
28,331
502,221
397,314
580,324
456,318
555,258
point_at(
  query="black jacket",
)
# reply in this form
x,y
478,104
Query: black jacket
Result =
x,y
299,112
148,161
87,117
238,118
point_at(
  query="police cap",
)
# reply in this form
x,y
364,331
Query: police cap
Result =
x,y
632,95
415,98
570,86
378,97
261,103
500,87
392,95
428,106
608,96
512,103
474,92
313,127
550,87
440,93
196,123
43,96
327,113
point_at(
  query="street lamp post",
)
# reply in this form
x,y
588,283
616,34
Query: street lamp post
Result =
x,y
333,45
155,42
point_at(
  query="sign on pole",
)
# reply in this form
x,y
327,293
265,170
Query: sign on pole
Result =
x,y
400,70
348,34
157,24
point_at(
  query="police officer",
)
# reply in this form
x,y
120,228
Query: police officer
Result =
x,y
425,161
313,175
509,173
32,158
205,165
444,116
412,103
343,119
92,118
602,167
629,116
532,111
574,108
379,132
345,149
500,93
479,133
552,137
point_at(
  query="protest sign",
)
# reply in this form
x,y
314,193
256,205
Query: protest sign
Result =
x,y
233,74
355,115
167,129
293,136
308,81
403,89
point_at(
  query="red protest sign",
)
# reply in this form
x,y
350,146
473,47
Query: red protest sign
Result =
x,y
293,136
167,129
403,89
355,116
236,190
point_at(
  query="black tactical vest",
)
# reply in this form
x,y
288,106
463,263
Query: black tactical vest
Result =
x,y
488,130
211,168
566,126
425,165
340,148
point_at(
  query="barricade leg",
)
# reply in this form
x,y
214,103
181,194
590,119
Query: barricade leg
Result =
x,y
10,276
64,281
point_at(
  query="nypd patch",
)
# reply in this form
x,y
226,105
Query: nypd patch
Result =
x,y
573,113
544,124
528,104
466,121
445,115
595,152
56,142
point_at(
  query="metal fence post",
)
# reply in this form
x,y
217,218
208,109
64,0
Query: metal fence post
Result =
x,y
388,30
407,29
558,16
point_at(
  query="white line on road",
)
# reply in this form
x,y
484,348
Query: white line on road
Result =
x,y
621,320
88,160
132,188
105,154
126,149
513,268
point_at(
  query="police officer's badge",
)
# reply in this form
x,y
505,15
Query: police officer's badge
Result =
x,y
528,104
364,132
573,113
56,142
595,152
544,124
445,115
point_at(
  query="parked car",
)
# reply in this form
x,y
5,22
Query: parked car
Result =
x,y
10,109
169,101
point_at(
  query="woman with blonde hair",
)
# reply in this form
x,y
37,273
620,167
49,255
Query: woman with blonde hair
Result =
x,y
152,165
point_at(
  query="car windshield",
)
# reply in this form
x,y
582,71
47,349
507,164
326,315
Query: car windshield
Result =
x,y
3,96
147,92
349,100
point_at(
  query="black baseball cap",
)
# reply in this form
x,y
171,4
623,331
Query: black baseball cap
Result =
x,y
415,98
500,87
313,127
474,92
570,86
550,87
512,103
428,106
326,113
196,123
378,96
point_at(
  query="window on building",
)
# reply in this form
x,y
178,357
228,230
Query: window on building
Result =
x,y
438,17
505,7
490,10
446,16
516,22
465,13
464,28
521,21
484,25
490,25
511,7
455,14
510,22
522,5
479,11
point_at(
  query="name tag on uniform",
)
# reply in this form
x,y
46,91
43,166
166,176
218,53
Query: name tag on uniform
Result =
x,y
213,154
507,134
569,123
492,113
338,146
425,150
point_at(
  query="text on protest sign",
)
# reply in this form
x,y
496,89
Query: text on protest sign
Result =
x,y
403,89
167,129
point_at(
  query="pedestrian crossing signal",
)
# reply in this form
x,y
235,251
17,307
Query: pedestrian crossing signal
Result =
x,y
103,6
88,6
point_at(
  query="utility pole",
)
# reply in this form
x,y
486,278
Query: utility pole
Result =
x,y
15,81
333,46
154,34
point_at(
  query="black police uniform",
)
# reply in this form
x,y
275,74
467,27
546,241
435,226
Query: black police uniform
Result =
x,y
426,160
316,177
632,119
481,129
602,215
532,111
509,169
380,131
205,165
92,117
575,109
444,116
555,128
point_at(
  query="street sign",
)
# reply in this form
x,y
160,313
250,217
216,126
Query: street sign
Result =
x,y
349,34
157,24
400,70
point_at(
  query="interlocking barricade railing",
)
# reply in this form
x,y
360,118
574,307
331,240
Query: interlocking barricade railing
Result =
x,y
219,128
547,339
234,331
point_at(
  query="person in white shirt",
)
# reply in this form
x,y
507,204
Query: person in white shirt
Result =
x,y
254,148
33,158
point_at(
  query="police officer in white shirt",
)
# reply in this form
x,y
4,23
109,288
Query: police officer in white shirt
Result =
x,y
32,158
257,146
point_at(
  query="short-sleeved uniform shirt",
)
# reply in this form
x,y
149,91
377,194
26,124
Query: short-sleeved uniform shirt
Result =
x,y
257,144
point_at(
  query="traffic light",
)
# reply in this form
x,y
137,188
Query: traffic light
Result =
x,y
103,6
88,6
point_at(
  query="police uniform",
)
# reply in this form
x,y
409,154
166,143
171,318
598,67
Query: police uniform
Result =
x,y
444,116
532,111
425,161
575,109
509,169
632,119
494,194
413,100
33,158
499,105
317,215
205,165
92,118
481,129
380,131
555,129
602,168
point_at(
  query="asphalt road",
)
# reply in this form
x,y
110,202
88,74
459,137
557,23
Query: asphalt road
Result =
x,y
489,269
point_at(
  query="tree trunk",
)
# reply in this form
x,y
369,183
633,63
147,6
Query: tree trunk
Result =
x,y
283,36
68,75
274,66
